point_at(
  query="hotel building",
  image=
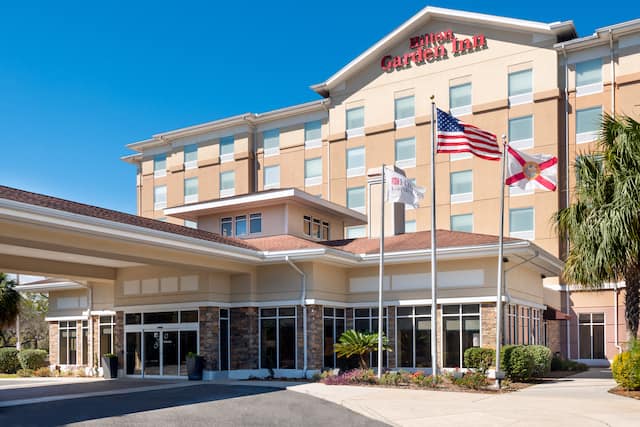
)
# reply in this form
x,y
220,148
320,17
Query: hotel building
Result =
x,y
256,239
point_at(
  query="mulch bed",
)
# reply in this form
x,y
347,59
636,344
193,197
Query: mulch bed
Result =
x,y
633,394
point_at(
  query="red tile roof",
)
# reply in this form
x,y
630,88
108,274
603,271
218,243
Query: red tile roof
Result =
x,y
283,242
111,215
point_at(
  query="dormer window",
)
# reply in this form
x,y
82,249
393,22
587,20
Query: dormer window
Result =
x,y
226,226
316,228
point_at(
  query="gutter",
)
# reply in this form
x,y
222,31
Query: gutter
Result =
x,y
613,73
303,302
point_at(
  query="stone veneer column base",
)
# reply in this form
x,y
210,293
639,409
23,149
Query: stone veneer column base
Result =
x,y
209,336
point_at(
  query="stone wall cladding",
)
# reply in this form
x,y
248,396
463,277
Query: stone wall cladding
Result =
x,y
315,335
118,338
244,337
209,336
555,330
53,343
95,346
488,326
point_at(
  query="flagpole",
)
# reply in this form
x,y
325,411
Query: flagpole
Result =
x,y
434,306
500,263
381,278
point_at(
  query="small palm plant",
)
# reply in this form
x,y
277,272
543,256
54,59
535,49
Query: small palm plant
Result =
x,y
354,343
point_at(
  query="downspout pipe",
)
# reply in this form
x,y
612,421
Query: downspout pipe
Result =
x,y
613,74
567,198
616,339
303,299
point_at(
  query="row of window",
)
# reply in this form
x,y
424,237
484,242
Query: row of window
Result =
x,y
68,341
522,325
316,228
230,226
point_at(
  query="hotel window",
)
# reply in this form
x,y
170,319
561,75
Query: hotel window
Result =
x,y
461,186
410,226
462,222
536,327
313,172
591,335
366,320
107,324
160,165
314,227
191,190
190,156
521,224
278,338
589,77
159,197
226,149
312,134
271,142
85,342
224,340
525,325
405,111
255,223
460,331
460,99
241,225
227,184
511,324
414,336
355,122
356,232
190,223
334,326
406,153
67,341
588,124
272,177
520,87
521,132
355,161
355,199
226,226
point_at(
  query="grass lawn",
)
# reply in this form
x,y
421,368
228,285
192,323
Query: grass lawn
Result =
x,y
8,376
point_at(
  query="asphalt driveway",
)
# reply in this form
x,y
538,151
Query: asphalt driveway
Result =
x,y
194,405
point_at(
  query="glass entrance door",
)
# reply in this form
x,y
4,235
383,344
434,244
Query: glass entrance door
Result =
x,y
152,353
170,353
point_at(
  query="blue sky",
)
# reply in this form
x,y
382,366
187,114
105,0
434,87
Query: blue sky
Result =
x,y
80,80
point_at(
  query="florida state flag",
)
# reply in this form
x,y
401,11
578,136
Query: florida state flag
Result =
x,y
529,171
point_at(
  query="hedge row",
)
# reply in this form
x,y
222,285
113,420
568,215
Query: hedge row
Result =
x,y
524,362
11,360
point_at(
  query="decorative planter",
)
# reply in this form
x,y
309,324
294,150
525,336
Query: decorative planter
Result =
x,y
195,366
109,367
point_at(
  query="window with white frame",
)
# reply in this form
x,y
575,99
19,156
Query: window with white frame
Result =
x,y
461,186
255,223
366,320
405,153
278,338
589,77
271,177
107,324
410,226
160,165
224,341
313,171
191,190
520,87
460,99
191,223
588,124
67,343
271,142
159,197
355,161
521,132
315,227
355,232
511,324
521,223
241,225
591,335
462,222
313,134
405,111
227,149
190,156
226,226
355,122
333,325
460,331
85,342
413,337
227,183
355,199
536,330
525,325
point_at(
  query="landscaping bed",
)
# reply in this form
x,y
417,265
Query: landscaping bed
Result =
x,y
634,394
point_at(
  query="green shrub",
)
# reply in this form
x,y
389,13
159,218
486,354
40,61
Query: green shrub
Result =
x,y
472,380
505,358
626,368
479,358
560,364
25,372
32,359
541,360
9,362
556,363
518,363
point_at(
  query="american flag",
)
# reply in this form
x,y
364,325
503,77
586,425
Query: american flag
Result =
x,y
457,137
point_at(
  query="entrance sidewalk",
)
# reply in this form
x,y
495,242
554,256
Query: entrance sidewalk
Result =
x,y
578,400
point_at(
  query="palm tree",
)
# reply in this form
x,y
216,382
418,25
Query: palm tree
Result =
x,y
603,223
9,301
354,343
